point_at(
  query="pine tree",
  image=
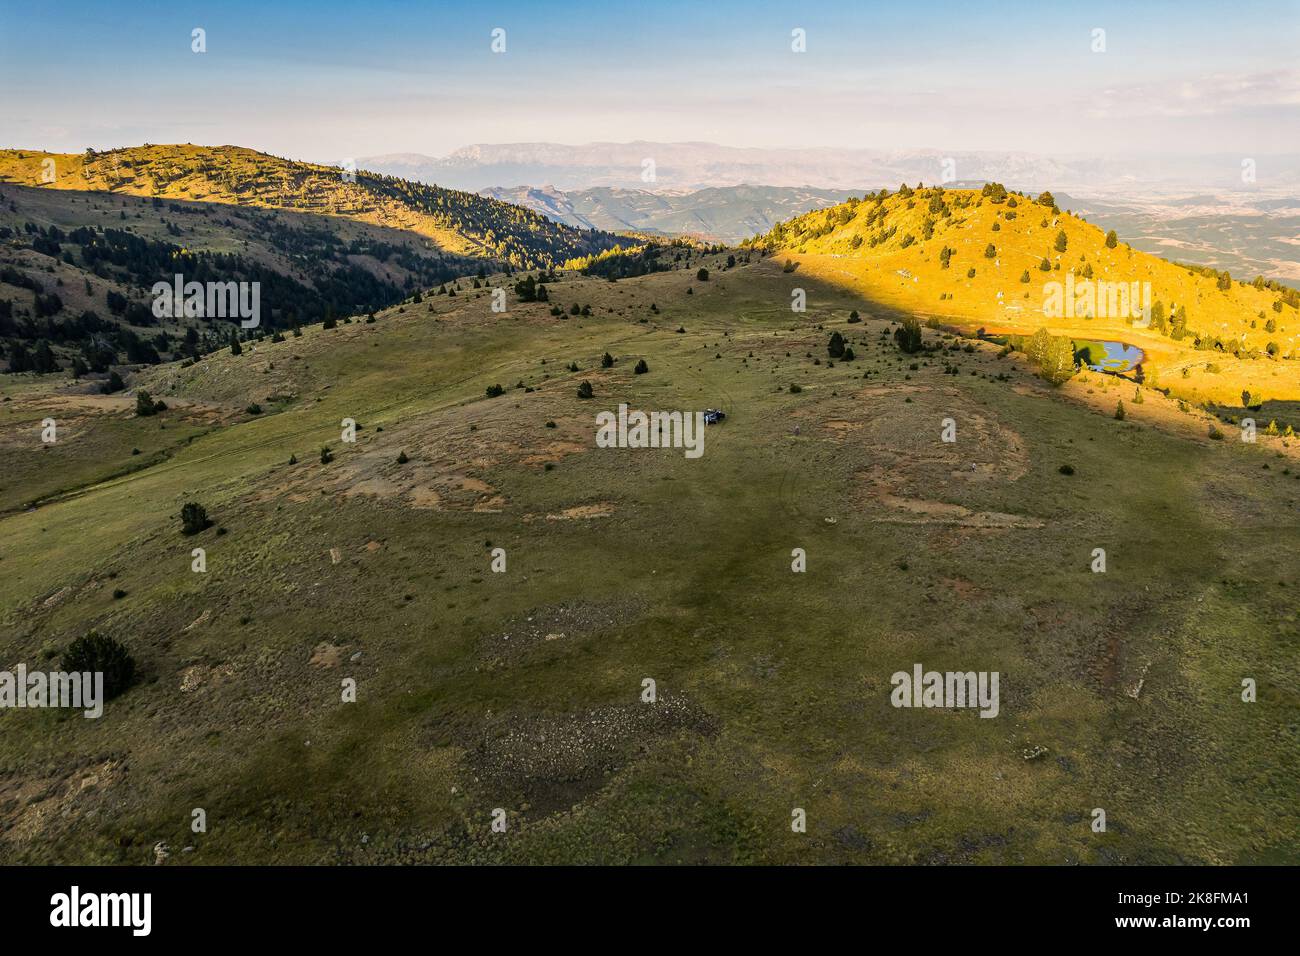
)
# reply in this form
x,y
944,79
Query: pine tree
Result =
x,y
97,654
43,359
908,336
194,518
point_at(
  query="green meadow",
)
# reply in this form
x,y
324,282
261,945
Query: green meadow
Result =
x,y
523,690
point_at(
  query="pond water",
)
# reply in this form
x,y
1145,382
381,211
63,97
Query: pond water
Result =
x,y
1107,356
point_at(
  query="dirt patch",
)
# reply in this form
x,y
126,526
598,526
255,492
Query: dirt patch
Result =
x,y
424,497
452,492
962,588
372,471
380,487
601,509
841,427
91,402
904,437
877,391
56,598
327,655
198,675
940,512
553,452
200,620
28,806
879,490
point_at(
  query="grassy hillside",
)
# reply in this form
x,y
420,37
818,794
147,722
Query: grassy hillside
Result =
x,y
522,690
459,223
79,255
1234,335
65,256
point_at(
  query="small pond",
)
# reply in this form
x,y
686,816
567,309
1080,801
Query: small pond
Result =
x,y
1101,355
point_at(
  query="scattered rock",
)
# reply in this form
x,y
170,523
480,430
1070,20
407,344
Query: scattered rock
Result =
x,y
326,654
201,619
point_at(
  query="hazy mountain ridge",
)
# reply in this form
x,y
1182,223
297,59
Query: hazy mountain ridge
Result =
x,y
692,166
1192,208
727,214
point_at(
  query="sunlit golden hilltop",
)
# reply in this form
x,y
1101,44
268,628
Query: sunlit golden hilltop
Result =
x,y
1010,263
458,223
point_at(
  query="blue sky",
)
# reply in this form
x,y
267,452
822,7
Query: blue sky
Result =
x,y
325,80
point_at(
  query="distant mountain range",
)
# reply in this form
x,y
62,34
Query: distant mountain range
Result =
x,y
693,166
1193,209
1247,235
726,214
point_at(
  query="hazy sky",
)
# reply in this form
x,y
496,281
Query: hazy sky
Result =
x,y
325,80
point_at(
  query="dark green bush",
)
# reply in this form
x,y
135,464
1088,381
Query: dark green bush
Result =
x,y
194,518
96,653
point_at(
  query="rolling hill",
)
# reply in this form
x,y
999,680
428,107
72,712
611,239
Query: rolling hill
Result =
x,y
522,691
989,258
422,595
457,223
79,254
